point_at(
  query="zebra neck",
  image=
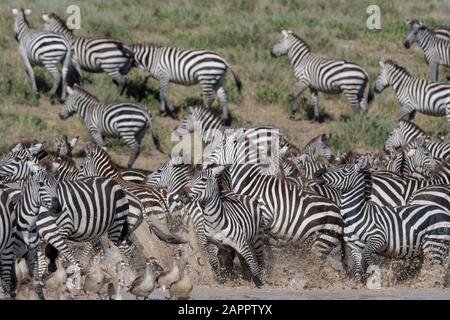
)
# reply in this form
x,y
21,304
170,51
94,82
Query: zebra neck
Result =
x,y
354,202
87,110
297,52
26,209
426,39
212,210
399,82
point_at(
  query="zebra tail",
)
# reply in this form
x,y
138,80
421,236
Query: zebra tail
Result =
x,y
155,138
370,95
130,62
236,79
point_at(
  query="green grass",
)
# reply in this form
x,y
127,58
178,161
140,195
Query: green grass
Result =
x,y
243,32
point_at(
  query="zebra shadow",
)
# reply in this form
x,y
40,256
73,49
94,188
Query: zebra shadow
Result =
x,y
139,89
308,110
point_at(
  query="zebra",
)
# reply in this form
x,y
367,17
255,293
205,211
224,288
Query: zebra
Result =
x,y
64,147
442,32
185,67
414,94
403,232
45,49
95,54
232,220
414,158
322,74
147,202
88,208
405,131
8,198
126,120
436,48
292,213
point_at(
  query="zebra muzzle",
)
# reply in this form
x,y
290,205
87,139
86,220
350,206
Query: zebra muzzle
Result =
x,y
406,44
56,206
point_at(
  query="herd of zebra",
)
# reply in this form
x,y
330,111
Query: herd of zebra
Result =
x,y
253,186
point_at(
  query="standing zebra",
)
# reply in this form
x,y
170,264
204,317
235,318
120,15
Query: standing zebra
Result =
x,y
412,93
436,48
232,220
126,120
322,74
186,67
46,49
292,213
95,54
404,132
403,232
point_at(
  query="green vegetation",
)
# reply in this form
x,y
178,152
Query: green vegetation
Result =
x,y
243,32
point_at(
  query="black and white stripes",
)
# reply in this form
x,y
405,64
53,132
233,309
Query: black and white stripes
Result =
x,y
322,74
126,120
46,49
186,67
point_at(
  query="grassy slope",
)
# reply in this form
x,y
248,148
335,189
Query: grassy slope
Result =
x,y
243,32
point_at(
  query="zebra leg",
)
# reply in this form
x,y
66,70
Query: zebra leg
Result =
x,y
98,139
412,115
315,102
373,244
212,251
296,92
356,264
255,268
434,71
121,82
51,68
134,143
30,72
222,97
8,273
404,112
166,105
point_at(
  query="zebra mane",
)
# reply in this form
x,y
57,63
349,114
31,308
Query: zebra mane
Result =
x,y
24,16
46,163
298,38
85,92
213,111
25,143
397,66
442,166
347,157
406,123
59,20
368,182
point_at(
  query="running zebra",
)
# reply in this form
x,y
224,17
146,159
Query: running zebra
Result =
x,y
186,67
412,93
126,120
86,209
45,49
403,232
292,213
147,202
232,220
405,131
95,54
436,48
322,74
7,233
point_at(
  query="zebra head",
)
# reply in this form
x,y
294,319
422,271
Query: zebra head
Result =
x,y
20,21
414,30
13,165
188,124
72,102
382,81
283,45
205,185
225,153
42,187
316,148
92,162
419,157
63,146
344,178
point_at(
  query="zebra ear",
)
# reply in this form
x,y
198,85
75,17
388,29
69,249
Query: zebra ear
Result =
x,y
411,153
69,90
285,33
362,163
74,142
217,170
45,17
36,148
33,167
177,160
381,63
191,110
54,168
27,12
15,12
18,147
408,21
